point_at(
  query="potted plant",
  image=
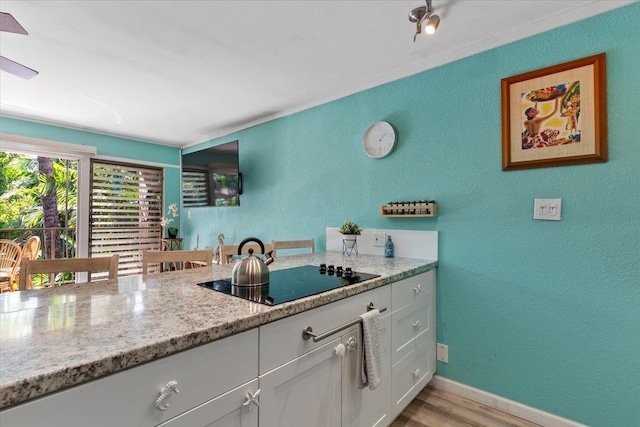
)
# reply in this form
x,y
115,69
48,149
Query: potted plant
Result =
x,y
350,230
164,222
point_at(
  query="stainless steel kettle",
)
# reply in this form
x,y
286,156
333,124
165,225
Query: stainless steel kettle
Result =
x,y
251,270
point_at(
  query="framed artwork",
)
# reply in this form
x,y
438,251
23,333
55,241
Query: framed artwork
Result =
x,y
555,116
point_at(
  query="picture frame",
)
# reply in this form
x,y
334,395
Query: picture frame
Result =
x,y
555,116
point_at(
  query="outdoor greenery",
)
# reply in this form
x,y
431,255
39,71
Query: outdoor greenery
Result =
x,y
38,192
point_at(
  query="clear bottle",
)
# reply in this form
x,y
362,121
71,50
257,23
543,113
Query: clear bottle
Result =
x,y
388,247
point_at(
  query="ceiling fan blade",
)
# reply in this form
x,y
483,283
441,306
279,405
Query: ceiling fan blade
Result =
x,y
9,24
17,69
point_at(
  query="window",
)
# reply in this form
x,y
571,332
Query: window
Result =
x,y
125,212
194,188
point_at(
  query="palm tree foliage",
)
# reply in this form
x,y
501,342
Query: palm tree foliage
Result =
x,y
28,194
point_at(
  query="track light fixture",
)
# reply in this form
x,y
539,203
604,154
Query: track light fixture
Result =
x,y
424,19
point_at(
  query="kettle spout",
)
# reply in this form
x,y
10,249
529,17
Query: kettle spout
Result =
x,y
269,258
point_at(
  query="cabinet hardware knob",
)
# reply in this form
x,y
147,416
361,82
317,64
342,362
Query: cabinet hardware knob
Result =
x,y
416,373
252,399
416,324
340,350
165,392
417,289
351,343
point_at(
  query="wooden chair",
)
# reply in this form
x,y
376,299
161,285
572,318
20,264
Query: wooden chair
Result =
x,y
292,244
67,265
228,251
200,258
10,257
30,250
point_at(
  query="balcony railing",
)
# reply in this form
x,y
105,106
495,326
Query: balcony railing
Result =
x,y
56,242
60,242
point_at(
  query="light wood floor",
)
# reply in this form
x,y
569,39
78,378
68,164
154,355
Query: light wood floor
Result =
x,y
435,407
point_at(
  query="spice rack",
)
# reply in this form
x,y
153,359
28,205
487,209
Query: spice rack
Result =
x,y
423,208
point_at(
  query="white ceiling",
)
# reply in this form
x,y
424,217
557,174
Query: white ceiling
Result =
x,y
182,72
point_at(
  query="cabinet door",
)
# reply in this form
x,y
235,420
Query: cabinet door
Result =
x,y
364,407
303,392
228,410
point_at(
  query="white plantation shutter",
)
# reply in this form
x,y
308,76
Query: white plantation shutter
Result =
x,y
126,207
194,188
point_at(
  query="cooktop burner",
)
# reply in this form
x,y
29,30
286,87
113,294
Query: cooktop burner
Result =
x,y
292,283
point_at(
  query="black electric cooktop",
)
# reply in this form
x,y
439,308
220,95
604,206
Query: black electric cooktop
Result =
x,y
292,283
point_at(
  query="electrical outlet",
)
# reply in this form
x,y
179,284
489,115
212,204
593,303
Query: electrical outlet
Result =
x,y
379,240
547,209
442,353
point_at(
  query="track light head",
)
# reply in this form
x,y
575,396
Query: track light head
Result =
x,y
431,24
424,19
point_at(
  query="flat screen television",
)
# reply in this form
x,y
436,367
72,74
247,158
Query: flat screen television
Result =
x,y
211,177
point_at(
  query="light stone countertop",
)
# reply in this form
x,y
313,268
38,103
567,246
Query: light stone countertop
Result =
x,y
51,339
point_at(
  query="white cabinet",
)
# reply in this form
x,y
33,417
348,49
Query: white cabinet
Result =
x,y
304,391
281,341
413,301
362,407
307,383
232,409
411,375
301,382
129,398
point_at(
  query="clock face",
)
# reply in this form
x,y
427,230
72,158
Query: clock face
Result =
x,y
379,140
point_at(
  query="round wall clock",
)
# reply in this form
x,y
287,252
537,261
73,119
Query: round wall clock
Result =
x,y
379,140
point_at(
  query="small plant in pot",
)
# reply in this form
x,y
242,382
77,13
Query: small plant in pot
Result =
x,y
350,230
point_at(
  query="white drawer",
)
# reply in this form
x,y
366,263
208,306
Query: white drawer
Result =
x,y
411,375
410,325
281,341
127,398
228,410
413,289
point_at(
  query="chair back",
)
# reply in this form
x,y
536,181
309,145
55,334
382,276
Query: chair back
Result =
x,y
176,259
10,256
228,251
31,248
29,267
293,244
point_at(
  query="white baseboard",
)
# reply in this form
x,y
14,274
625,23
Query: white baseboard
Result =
x,y
505,405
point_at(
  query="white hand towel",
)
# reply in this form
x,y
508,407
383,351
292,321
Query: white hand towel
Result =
x,y
369,368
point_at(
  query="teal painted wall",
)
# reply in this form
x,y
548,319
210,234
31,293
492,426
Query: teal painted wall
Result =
x,y
109,146
541,312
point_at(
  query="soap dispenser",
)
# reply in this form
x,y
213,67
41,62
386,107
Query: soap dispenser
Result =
x,y
388,247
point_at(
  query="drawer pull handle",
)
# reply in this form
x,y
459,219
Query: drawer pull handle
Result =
x,y
340,350
417,289
165,392
252,399
308,333
416,373
416,325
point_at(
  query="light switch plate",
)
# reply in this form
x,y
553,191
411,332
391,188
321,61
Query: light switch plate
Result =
x,y
547,209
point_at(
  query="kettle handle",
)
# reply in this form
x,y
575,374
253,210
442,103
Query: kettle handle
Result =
x,y
250,239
